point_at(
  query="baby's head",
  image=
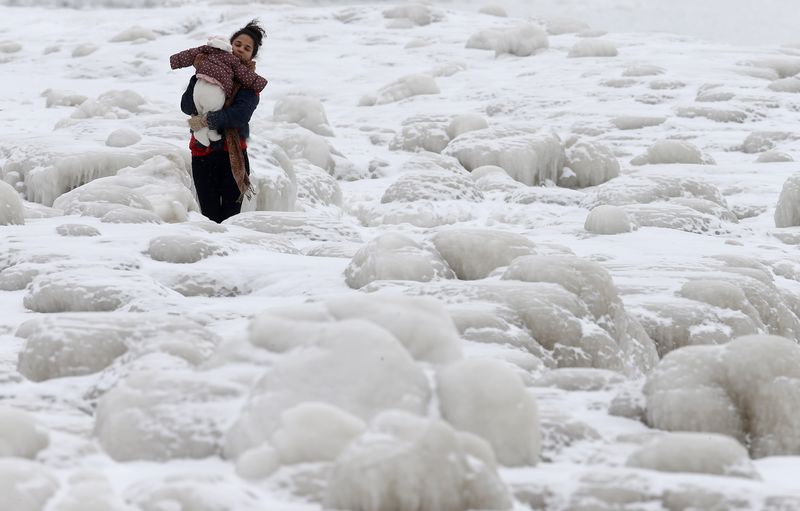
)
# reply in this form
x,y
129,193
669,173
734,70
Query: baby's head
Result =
x,y
218,41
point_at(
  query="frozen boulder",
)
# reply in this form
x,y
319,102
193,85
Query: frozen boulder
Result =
x,y
134,33
394,256
790,84
636,122
774,157
713,114
126,215
432,186
11,210
355,365
89,490
315,187
83,50
175,248
191,492
475,253
158,416
607,219
493,10
748,389
25,485
314,432
77,230
306,111
274,178
123,137
559,26
408,462
530,157
787,211
643,70
675,216
700,453
521,41
407,87
487,398
783,67
422,133
593,48
20,437
673,151
288,226
626,190
418,14
465,122
591,164
759,141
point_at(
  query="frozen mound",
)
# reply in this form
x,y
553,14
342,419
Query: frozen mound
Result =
x,y
432,186
559,26
522,41
491,178
763,140
700,453
354,365
92,289
748,389
673,151
403,88
394,256
77,230
92,491
643,70
545,195
418,14
626,190
158,186
787,211
475,253
134,33
11,210
344,249
159,415
488,399
55,97
127,215
783,67
530,157
25,485
408,462
713,94
306,111
295,226
10,47
421,324
315,187
706,207
463,123
774,157
606,219
123,137
712,114
610,339
199,492
64,345
493,10
20,436
675,216
593,48
421,213
115,104
791,85
591,164
181,248
84,50
422,133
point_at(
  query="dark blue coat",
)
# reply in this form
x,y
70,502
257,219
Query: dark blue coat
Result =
x,y
235,116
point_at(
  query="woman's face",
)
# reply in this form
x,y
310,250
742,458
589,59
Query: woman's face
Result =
x,y
243,47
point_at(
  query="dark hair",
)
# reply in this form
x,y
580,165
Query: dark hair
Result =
x,y
254,31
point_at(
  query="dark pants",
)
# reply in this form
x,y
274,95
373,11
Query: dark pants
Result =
x,y
216,188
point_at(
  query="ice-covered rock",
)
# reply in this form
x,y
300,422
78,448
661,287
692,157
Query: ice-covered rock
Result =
x,y
748,389
394,256
774,157
521,41
675,216
90,491
713,114
422,213
421,324
355,365
155,415
182,248
790,84
607,219
626,190
487,398
134,33
493,10
11,211
673,151
274,178
314,432
128,215
406,87
759,141
787,211
635,122
475,253
701,453
289,226
77,230
10,47
593,48
432,186
83,50
643,70
315,187
465,122
545,195
91,289
529,156
55,97
115,104
306,111
783,66
25,485
591,164
425,133
78,344
559,26
192,492
123,137
418,14
20,436
408,462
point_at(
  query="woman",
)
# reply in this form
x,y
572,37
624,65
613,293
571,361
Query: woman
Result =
x,y
221,170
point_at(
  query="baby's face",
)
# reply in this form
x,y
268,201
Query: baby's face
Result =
x,y
243,47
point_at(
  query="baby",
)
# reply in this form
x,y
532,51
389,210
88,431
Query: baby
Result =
x,y
215,75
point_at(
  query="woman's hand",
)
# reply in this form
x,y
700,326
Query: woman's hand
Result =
x,y
197,122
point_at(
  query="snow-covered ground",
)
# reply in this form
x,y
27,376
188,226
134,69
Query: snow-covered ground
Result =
x,y
602,314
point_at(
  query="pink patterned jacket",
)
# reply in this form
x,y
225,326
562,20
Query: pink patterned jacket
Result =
x,y
220,65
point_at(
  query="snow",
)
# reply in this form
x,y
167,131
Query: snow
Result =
x,y
498,276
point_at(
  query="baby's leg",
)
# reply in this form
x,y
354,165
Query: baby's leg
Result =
x,y
208,97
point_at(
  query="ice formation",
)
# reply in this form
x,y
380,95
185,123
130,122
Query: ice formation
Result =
x,y
787,211
607,219
11,212
306,111
475,253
